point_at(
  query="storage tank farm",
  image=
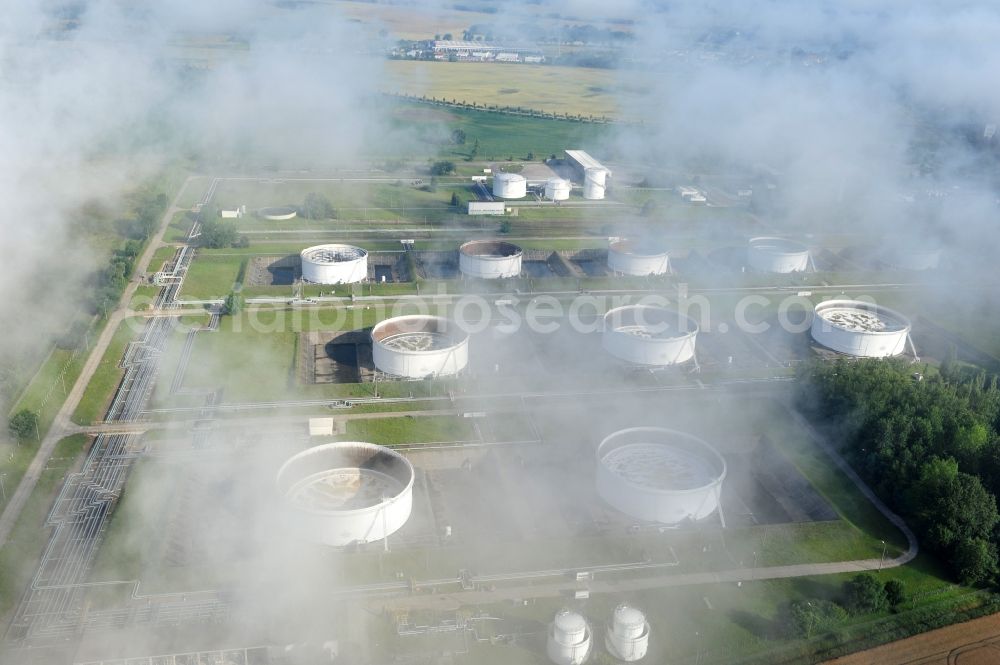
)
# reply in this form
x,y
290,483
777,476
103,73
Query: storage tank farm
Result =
x,y
334,264
861,329
418,346
649,335
490,259
638,258
660,475
557,189
627,636
346,493
777,255
569,639
510,186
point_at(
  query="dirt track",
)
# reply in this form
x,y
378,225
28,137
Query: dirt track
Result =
x,y
975,642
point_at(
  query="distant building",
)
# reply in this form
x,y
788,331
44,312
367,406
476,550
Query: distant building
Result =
x,y
235,213
487,207
461,49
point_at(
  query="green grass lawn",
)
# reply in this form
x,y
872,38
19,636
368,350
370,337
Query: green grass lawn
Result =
x,y
211,276
106,377
410,429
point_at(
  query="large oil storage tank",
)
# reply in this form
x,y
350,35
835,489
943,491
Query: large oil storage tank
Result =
x,y
660,475
638,258
510,186
349,492
334,264
489,259
627,636
858,328
780,255
418,346
569,639
648,335
594,183
557,189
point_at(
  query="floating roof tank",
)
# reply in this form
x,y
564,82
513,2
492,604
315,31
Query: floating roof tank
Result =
x,y
648,335
858,328
418,346
350,492
778,255
490,259
638,258
660,475
334,264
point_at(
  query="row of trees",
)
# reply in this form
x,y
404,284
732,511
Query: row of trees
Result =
x,y
928,448
148,208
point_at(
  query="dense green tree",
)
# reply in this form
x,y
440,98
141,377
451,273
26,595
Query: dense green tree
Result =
x,y
808,617
455,202
233,303
974,560
317,206
458,135
895,592
949,506
218,233
442,167
863,594
23,424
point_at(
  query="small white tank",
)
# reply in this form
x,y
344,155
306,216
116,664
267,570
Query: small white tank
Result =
x,y
594,183
569,639
627,637
510,186
557,189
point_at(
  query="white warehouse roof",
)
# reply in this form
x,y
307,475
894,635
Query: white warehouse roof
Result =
x,y
583,159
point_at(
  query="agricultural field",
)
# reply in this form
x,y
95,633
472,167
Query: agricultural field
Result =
x,y
572,90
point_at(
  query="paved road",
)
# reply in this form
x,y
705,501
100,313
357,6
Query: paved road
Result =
x,y
62,425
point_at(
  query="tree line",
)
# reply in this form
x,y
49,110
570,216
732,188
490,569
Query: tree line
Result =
x,y
927,446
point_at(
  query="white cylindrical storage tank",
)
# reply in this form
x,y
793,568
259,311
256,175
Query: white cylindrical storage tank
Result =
x,y
660,475
779,255
569,639
594,183
334,264
489,259
350,492
647,335
913,258
418,346
638,258
627,637
510,186
861,329
557,189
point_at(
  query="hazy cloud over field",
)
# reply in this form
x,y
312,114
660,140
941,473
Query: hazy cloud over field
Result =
x,y
95,96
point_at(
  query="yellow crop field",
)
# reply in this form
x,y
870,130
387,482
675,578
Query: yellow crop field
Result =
x,y
574,90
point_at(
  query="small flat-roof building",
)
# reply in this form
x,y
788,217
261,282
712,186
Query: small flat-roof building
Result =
x,y
487,207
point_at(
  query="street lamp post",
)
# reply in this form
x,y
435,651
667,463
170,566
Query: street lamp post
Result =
x,y
882,559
